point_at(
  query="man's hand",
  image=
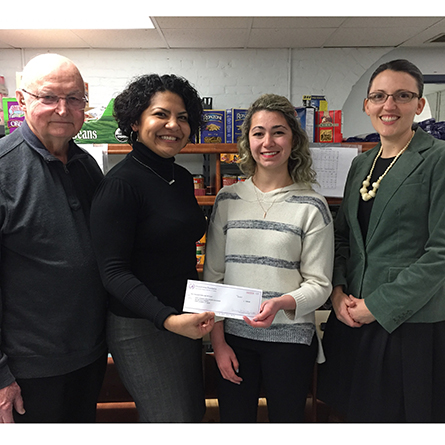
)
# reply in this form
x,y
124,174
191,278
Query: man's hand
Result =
x,y
10,398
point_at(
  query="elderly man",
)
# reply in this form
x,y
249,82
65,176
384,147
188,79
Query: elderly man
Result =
x,y
52,303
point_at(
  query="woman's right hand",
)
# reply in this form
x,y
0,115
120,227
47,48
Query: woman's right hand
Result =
x,y
341,303
224,355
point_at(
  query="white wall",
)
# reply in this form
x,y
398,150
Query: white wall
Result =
x,y
429,61
234,78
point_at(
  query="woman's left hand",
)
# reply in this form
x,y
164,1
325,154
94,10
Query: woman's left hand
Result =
x,y
269,309
359,312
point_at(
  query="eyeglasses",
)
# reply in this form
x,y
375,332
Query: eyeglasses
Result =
x,y
75,102
401,97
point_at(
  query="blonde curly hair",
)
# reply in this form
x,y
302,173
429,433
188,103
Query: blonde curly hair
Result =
x,y
300,160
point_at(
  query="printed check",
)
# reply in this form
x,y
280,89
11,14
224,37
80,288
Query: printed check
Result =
x,y
222,299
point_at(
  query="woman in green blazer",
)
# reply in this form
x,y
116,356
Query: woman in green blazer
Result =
x,y
385,338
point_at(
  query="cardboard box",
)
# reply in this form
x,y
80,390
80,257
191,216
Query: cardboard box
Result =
x,y
102,130
328,126
214,130
12,114
306,117
317,101
234,119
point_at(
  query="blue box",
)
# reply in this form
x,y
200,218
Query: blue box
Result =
x,y
306,117
234,119
214,129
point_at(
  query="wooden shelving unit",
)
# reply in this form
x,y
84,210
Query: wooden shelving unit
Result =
x,y
216,149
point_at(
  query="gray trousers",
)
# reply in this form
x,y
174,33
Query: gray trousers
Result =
x,y
162,371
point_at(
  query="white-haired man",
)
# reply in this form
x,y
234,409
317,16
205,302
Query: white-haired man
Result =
x,y
52,303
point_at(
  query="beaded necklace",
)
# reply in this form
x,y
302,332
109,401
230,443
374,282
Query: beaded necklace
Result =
x,y
366,196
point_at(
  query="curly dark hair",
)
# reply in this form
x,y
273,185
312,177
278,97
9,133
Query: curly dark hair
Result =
x,y
136,98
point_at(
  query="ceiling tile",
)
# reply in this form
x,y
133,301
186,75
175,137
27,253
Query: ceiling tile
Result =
x,y
202,22
289,38
30,38
422,38
129,38
297,22
206,38
369,37
390,22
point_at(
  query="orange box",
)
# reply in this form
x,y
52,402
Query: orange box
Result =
x,y
328,126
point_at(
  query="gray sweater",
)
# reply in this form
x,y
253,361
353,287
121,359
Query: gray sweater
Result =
x,y
52,302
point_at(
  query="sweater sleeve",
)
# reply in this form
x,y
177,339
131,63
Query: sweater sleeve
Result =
x,y
316,265
214,265
6,377
114,216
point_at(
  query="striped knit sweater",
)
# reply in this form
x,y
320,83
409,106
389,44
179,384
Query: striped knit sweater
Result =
x,y
290,251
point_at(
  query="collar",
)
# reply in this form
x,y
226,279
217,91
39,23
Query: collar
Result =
x,y
147,156
74,152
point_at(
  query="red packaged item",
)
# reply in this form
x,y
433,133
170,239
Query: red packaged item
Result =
x,y
328,126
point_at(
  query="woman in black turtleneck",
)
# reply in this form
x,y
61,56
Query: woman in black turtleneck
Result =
x,y
145,222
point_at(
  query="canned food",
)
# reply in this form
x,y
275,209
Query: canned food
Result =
x,y
200,248
198,181
229,180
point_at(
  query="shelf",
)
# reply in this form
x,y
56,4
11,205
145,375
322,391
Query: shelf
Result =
x,y
209,200
188,149
206,200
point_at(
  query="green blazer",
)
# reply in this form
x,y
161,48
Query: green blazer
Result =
x,y
400,268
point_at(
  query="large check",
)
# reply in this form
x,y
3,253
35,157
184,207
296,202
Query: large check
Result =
x,y
222,299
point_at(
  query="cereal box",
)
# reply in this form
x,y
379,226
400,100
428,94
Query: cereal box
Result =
x,y
214,129
328,126
13,114
234,119
317,101
306,117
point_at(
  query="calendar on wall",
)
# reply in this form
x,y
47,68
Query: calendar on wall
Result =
x,y
332,163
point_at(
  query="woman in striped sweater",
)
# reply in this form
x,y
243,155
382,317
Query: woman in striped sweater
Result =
x,y
271,232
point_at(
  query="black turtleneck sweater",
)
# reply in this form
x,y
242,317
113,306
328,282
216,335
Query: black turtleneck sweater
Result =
x,y
144,234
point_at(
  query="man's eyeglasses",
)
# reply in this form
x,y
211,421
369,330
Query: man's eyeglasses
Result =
x,y
401,97
75,102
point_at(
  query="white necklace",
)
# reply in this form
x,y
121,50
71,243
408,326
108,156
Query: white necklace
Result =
x,y
260,201
157,174
366,196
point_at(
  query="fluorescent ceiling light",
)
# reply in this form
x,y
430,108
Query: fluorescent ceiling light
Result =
x,y
81,14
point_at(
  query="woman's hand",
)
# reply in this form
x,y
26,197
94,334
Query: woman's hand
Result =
x,y
224,355
341,304
359,312
269,309
193,326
